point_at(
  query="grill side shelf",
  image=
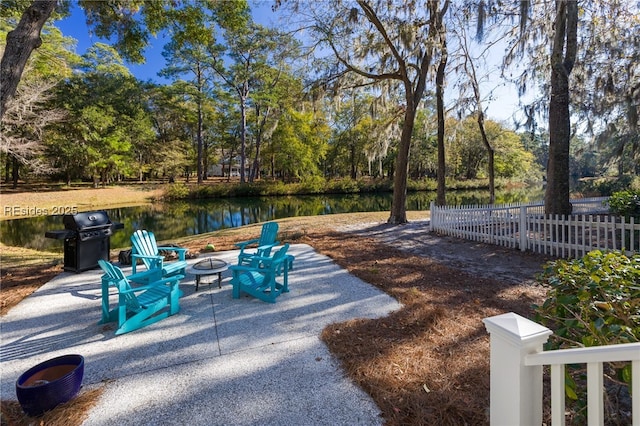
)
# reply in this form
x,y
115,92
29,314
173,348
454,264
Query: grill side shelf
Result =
x,y
60,235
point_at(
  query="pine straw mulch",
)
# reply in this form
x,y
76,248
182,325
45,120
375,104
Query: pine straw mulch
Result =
x,y
427,363
18,283
71,413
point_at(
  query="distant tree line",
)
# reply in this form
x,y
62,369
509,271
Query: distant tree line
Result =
x,y
370,103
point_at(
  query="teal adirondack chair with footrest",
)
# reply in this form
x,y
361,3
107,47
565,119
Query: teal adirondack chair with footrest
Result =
x,y
264,244
145,248
263,280
137,307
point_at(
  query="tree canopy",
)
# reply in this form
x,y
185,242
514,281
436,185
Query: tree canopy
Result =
x,y
361,93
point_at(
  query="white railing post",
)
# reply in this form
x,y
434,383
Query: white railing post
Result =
x,y
523,228
433,215
516,389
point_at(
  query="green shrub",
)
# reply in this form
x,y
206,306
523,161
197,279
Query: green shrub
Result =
x,y
604,186
376,185
251,189
202,192
416,185
625,203
275,188
312,185
592,301
176,191
343,186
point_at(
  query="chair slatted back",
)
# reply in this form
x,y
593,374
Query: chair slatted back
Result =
x,y
272,266
278,257
144,242
269,233
118,280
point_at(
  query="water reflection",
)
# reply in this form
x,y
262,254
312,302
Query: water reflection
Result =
x,y
178,219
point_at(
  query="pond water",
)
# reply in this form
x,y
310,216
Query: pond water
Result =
x,y
193,217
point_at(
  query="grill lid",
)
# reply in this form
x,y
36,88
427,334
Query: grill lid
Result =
x,y
86,220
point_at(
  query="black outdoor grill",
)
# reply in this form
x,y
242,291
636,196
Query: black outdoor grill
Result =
x,y
87,239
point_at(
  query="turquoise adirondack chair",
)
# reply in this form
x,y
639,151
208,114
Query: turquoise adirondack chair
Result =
x,y
145,248
263,280
137,306
263,245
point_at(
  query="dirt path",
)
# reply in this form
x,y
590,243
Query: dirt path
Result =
x,y
478,259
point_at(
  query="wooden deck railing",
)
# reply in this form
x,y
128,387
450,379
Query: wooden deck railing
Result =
x,y
516,373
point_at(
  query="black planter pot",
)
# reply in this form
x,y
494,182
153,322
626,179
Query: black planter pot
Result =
x,y
50,383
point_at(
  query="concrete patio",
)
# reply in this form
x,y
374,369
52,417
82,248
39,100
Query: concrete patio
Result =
x,y
220,361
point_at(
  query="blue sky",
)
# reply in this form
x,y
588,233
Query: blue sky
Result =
x,y
501,109
75,26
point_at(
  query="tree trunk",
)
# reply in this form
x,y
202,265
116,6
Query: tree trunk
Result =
x,y
15,172
140,174
442,170
255,168
222,162
199,167
7,168
413,95
491,153
398,205
19,45
273,166
243,139
556,198
261,120
243,133
205,161
352,160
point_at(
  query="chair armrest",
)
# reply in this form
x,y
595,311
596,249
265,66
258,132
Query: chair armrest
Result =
x,y
270,262
145,256
143,276
243,244
153,284
168,280
181,251
267,247
137,289
265,260
255,257
156,261
170,248
241,268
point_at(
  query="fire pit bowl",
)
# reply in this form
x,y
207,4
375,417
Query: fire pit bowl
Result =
x,y
53,382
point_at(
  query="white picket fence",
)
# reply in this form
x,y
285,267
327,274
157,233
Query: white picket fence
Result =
x,y
516,379
525,226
